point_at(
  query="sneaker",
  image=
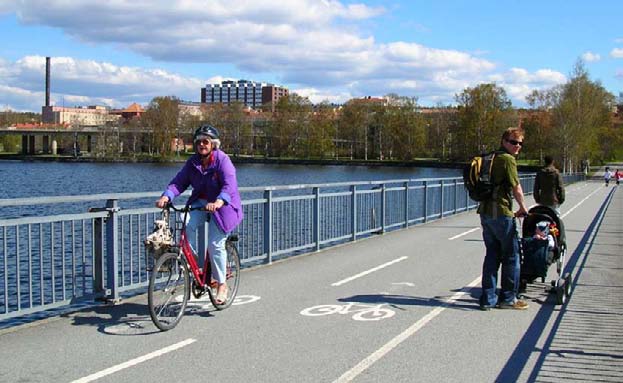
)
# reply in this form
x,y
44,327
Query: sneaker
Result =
x,y
518,304
485,307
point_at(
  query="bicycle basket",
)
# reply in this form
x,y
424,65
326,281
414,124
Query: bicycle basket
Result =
x,y
160,240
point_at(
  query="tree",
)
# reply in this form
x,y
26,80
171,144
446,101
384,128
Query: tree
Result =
x,y
440,124
290,128
581,109
404,133
483,113
540,134
322,131
353,123
162,116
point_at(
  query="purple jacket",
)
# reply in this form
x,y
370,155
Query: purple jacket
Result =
x,y
217,181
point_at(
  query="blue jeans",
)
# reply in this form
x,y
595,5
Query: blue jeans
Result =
x,y
216,240
501,241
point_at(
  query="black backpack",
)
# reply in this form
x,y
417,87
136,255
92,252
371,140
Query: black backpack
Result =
x,y
477,177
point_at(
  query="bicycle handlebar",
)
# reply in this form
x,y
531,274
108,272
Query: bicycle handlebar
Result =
x,y
184,209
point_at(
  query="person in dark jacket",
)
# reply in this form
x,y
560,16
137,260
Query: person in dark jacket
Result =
x,y
549,189
212,176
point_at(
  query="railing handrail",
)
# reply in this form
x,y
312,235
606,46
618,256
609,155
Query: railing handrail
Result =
x,y
128,196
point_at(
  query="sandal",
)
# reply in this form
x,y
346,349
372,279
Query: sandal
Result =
x,y
221,297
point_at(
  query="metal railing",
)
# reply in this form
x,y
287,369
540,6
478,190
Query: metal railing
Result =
x,y
57,260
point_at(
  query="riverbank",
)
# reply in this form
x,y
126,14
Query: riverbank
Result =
x,y
429,163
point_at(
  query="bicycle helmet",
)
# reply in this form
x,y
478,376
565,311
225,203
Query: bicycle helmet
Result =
x,y
206,131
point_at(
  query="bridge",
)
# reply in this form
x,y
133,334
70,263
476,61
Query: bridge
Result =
x,y
306,318
41,137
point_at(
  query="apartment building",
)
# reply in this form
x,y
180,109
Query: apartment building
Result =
x,y
250,93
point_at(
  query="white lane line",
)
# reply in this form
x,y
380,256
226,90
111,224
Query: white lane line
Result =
x,y
387,347
464,233
581,202
135,361
369,271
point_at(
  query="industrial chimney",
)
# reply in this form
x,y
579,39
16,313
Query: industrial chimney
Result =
x,y
47,81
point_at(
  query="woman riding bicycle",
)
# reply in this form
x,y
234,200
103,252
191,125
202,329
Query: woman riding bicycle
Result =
x,y
212,176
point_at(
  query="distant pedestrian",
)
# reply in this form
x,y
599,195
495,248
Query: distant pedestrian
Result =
x,y
549,189
607,176
499,228
618,176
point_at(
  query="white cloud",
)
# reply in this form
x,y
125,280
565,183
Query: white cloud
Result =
x,y
312,46
590,57
87,82
317,96
519,83
617,53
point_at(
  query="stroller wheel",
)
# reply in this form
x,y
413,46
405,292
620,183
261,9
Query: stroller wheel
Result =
x,y
568,285
561,297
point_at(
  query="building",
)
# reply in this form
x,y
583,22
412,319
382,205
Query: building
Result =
x,y
77,116
250,93
271,94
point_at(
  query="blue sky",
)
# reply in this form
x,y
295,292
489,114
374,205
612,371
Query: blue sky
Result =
x,y
119,52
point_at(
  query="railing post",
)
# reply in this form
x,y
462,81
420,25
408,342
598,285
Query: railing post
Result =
x,y
317,217
425,200
99,287
112,251
456,195
353,209
383,197
406,204
268,225
441,199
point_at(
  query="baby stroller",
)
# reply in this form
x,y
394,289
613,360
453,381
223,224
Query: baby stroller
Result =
x,y
543,243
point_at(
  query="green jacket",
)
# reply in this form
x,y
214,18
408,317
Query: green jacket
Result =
x,y
505,177
548,187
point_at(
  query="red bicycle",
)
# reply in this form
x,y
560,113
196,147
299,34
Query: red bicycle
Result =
x,y
171,283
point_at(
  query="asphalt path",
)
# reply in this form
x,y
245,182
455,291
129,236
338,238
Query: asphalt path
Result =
x,y
400,307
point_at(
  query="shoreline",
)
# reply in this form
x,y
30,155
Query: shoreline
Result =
x,y
254,160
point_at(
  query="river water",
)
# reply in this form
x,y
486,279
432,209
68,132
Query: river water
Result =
x,y
37,179
20,179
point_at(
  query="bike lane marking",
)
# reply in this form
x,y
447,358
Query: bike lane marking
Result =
x,y
135,361
364,273
360,311
581,202
398,339
463,233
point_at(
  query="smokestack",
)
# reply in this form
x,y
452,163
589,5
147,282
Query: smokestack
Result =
x,y
47,81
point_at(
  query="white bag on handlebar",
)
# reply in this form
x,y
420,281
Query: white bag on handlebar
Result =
x,y
160,240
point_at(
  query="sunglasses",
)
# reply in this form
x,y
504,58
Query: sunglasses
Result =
x,y
205,141
513,142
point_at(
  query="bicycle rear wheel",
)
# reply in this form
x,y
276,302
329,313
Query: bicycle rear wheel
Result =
x,y
169,289
233,276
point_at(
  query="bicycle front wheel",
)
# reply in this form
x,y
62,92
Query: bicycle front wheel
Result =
x,y
232,275
169,289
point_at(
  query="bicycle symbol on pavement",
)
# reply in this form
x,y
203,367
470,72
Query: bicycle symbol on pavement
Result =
x,y
360,311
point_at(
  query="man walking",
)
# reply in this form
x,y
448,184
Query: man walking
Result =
x,y
549,189
499,227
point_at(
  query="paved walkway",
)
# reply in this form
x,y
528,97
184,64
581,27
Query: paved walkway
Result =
x,y
587,341
427,277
